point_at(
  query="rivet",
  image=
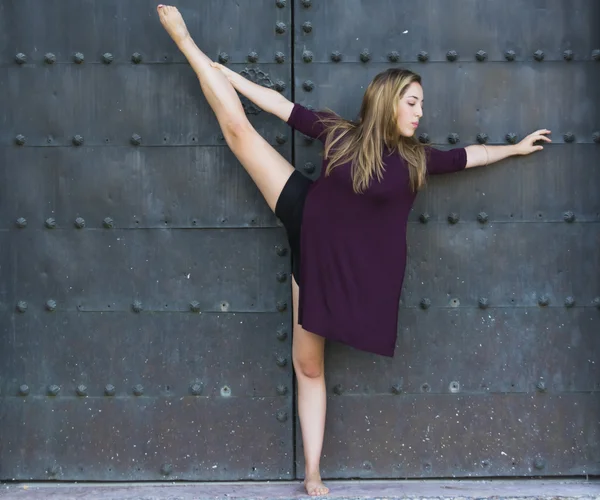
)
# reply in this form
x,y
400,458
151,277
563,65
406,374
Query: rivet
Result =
x,y
196,389
281,250
393,56
195,306
596,55
453,218
282,390
21,306
307,56
50,58
225,391
137,306
397,388
166,469
79,223
538,55
223,57
50,223
53,470
78,58
365,56
569,137
282,416
282,333
569,301
20,139
454,387
306,4
510,55
483,303
138,389
568,55
279,57
308,139
482,138
336,56
596,302
423,56
367,465
307,27
452,55
21,58
424,218
109,390
280,28
481,55
136,139
427,466
569,216
482,217
108,223
107,58
53,390
596,136
426,387
309,167
539,463
21,222
425,303
424,138
23,390
78,140
136,58
51,305
280,3
543,300
281,277
485,463
224,306
453,138
280,360
253,57
308,85
281,306
81,390
279,86
511,138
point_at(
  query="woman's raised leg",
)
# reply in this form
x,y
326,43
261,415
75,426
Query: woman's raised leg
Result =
x,y
308,356
267,168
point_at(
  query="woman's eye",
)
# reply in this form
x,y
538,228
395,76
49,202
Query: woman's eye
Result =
x,y
411,103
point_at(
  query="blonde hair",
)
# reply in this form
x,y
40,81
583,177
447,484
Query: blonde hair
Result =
x,y
361,142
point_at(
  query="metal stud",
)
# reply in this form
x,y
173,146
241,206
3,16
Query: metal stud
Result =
x,y
483,303
308,139
81,390
137,306
136,139
569,137
393,56
596,55
109,390
281,250
49,58
282,333
279,85
336,56
23,390
223,57
308,86
281,277
21,306
423,56
166,469
568,55
20,140
307,27
397,388
596,302
425,303
107,58
78,58
253,57
136,58
21,222
425,387
569,216
482,138
511,138
453,218
539,463
196,389
51,305
53,390
280,360
280,28
596,137
50,223
539,55
482,217
306,4
79,223
424,138
78,140
454,387
569,301
225,391
309,167
452,55
424,218
338,389
282,390
279,57
365,56
510,55
53,470
543,300
307,56
281,306
282,416
481,55
20,58
280,3
138,389
108,223
453,138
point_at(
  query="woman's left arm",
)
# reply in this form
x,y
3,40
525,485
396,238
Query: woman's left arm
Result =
x,y
482,155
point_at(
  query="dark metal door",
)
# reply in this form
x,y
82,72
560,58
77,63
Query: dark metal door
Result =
x,y
145,319
497,367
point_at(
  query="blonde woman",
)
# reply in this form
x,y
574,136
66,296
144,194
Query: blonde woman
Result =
x,y
347,229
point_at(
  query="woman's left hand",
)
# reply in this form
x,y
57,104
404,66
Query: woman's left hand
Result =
x,y
527,146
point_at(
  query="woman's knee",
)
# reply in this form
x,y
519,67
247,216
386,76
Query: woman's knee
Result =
x,y
308,367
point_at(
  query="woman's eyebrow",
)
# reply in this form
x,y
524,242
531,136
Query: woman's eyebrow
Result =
x,y
416,97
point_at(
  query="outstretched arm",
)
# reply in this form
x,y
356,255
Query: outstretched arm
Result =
x,y
481,155
266,99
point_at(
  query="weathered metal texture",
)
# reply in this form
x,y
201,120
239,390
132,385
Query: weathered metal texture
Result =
x,y
496,370
145,300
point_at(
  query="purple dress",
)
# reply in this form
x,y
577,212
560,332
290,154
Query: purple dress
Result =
x,y
353,246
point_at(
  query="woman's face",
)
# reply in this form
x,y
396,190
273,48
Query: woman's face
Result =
x,y
410,110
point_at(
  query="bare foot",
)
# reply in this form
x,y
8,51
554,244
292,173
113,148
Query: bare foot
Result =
x,y
173,22
314,486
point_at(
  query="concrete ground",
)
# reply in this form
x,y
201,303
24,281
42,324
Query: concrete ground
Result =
x,y
412,489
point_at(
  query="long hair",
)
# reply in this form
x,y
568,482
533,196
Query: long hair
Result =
x,y
362,142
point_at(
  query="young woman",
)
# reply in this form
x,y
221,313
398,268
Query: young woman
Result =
x,y
347,230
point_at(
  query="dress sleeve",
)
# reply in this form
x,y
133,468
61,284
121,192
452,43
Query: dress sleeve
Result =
x,y
306,121
445,162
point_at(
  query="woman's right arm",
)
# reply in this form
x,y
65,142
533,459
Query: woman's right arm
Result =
x,y
266,99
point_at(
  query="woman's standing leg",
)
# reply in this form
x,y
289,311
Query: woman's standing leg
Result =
x,y
308,356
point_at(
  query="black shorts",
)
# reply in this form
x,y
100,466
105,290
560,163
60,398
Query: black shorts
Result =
x,y
289,209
